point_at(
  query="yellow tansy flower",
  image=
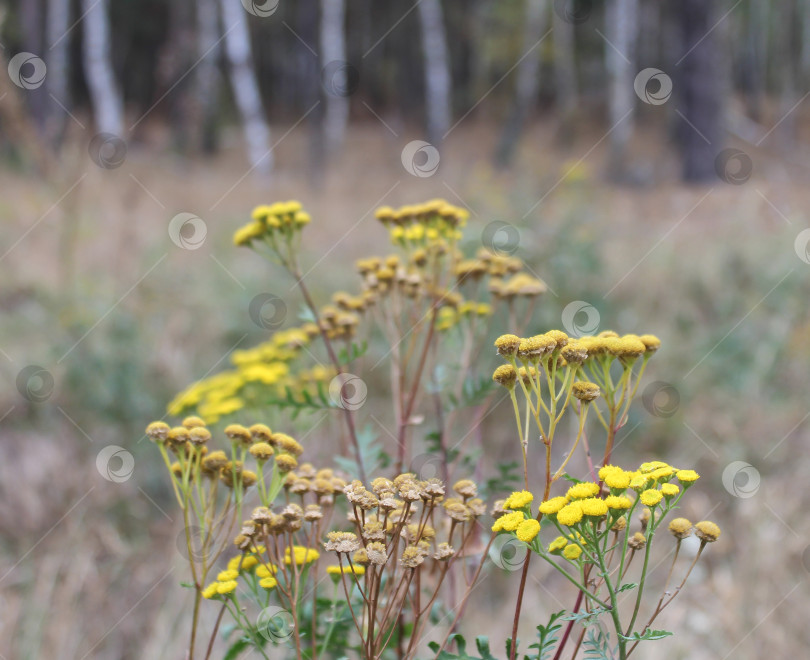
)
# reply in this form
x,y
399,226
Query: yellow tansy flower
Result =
x,y
553,505
518,500
572,552
570,514
527,530
227,576
687,477
211,590
651,497
227,587
583,490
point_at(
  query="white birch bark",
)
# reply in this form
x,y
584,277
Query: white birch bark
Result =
x,y
437,69
333,54
245,87
621,25
108,106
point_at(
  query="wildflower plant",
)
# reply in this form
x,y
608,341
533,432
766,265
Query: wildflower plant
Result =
x,y
362,568
595,540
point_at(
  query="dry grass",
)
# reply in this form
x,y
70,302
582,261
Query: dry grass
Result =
x,y
84,561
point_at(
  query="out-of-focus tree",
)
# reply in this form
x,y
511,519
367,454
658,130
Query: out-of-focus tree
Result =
x,y
57,82
621,31
105,96
238,52
699,83
527,83
207,74
565,72
438,87
337,73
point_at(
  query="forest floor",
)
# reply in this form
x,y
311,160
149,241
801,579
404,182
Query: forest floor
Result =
x,y
94,291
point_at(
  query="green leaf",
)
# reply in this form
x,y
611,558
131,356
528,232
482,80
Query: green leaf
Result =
x,y
580,617
547,637
236,649
649,635
597,645
627,587
482,644
355,351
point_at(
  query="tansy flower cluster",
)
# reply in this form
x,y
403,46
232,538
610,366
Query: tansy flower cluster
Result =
x,y
430,225
273,223
402,526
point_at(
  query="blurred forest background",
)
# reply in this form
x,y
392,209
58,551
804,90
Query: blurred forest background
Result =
x,y
652,157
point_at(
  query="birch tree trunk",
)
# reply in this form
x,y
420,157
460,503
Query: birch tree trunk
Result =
x,y
208,52
336,72
621,25
108,106
245,86
56,34
437,70
565,72
528,79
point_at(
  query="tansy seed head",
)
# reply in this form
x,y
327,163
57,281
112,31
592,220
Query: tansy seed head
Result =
x,y
559,337
707,531
376,553
260,432
680,528
178,436
651,343
507,345
238,433
412,557
638,541
286,463
505,375
214,461
466,488
261,451
157,431
585,391
193,421
286,443
199,435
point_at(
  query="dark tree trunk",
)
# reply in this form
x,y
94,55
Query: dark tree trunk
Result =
x,y
699,86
